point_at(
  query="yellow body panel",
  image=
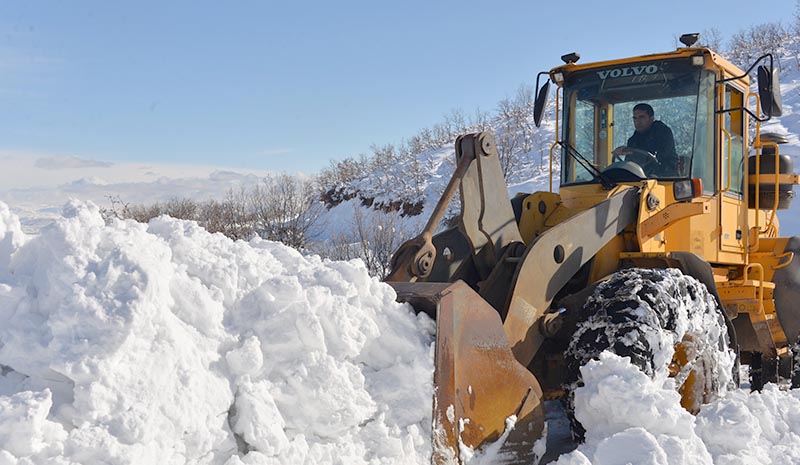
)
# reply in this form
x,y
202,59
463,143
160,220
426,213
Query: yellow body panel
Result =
x,y
536,209
715,61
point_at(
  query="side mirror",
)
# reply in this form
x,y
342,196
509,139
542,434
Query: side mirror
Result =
x,y
769,91
540,101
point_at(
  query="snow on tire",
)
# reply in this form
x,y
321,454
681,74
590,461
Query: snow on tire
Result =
x,y
643,314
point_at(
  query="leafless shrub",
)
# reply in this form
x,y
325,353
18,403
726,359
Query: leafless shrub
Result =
x,y
373,237
229,217
286,209
181,208
749,44
119,209
711,38
515,124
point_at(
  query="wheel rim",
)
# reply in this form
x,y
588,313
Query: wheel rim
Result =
x,y
688,370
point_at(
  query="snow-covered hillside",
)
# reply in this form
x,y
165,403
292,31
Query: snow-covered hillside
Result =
x,y
154,344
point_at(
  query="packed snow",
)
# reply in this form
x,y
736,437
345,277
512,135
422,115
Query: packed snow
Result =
x,y
126,343
631,418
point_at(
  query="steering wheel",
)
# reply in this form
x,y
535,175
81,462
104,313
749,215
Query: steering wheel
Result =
x,y
641,157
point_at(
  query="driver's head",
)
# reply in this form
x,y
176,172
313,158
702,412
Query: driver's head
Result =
x,y
643,117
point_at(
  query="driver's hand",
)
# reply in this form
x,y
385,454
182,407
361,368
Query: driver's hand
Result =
x,y
622,150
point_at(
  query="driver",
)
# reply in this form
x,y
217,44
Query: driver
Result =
x,y
654,137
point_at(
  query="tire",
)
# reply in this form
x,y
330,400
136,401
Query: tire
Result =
x,y
787,291
763,370
645,314
795,369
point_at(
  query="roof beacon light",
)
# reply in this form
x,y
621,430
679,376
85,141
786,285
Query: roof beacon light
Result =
x,y
570,57
689,39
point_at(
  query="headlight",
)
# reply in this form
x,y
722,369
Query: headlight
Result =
x,y
687,189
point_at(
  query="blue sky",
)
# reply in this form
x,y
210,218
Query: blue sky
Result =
x,y
290,86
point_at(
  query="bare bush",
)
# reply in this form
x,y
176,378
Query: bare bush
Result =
x,y
481,121
373,237
282,208
749,44
286,209
507,138
345,171
120,209
229,217
515,135
181,208
711,38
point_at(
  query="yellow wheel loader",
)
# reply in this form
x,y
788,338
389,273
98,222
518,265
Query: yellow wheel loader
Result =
x,y
526,290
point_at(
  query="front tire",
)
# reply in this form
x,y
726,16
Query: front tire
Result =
x,y
666,322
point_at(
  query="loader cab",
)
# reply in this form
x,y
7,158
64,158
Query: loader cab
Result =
x,y
706,102
597,111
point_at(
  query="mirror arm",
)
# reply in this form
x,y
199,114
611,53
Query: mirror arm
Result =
x,y
768,55
753,115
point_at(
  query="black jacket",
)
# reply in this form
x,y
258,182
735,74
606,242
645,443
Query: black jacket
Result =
x,y
659,141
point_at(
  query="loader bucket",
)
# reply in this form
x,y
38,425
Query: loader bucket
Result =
x,y
483,398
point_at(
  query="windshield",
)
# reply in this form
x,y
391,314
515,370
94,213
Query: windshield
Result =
x,y
650,118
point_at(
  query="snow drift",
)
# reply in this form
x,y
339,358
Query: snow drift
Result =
x,y
162,343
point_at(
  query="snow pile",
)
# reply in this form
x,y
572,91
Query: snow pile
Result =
x,y
629,418
161,343
758,428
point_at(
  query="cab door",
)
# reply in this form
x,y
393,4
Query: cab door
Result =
x,y
732,143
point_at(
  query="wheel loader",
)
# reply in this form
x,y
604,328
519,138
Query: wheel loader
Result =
x,y
514,281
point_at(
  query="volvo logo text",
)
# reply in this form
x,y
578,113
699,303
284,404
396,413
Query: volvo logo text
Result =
x,y
629,71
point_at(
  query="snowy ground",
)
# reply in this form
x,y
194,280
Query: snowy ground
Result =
x,y
163,344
